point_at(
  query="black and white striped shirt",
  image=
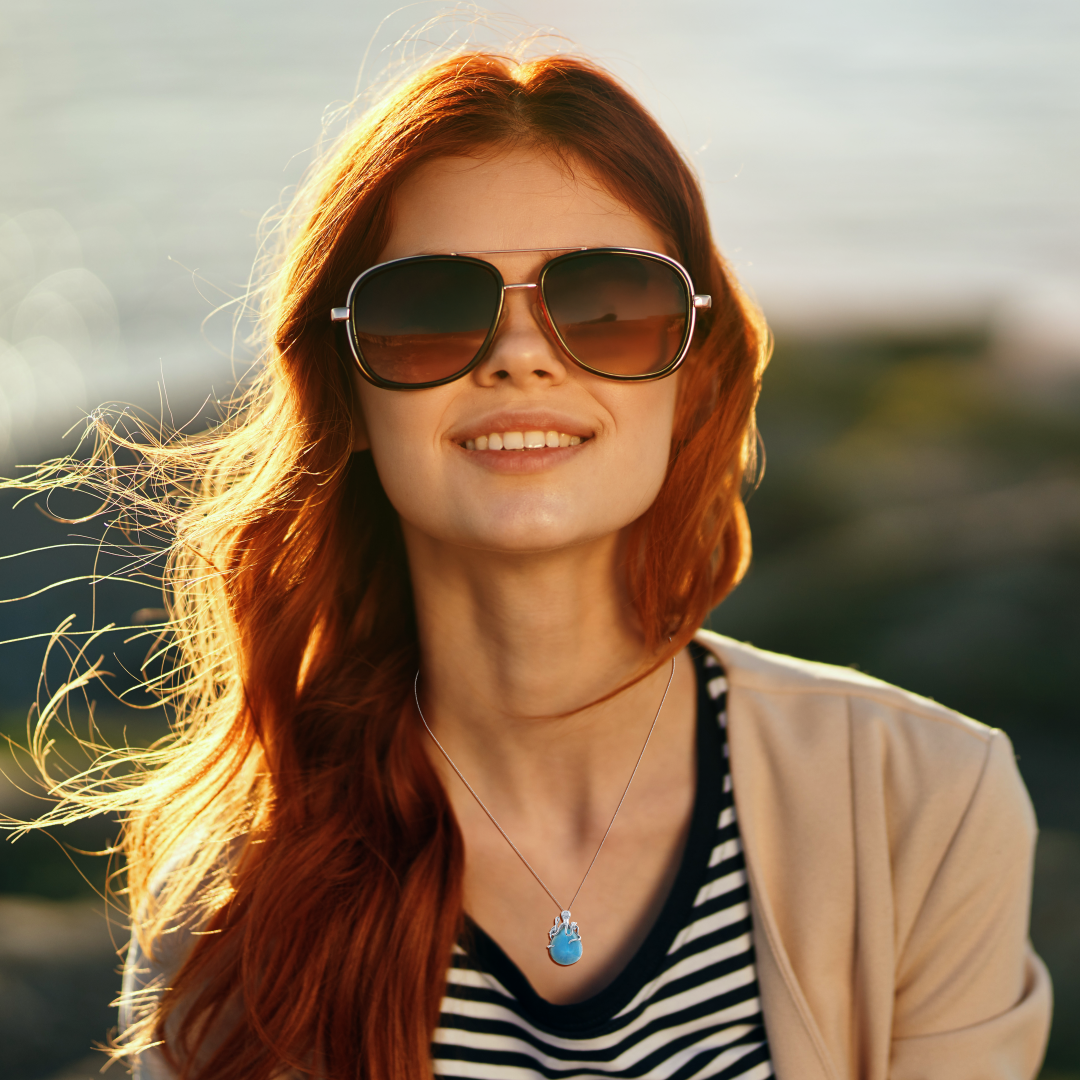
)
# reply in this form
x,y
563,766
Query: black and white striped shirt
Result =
x,y
686,1006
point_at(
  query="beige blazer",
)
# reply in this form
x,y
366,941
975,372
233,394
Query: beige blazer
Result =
x,y
889,846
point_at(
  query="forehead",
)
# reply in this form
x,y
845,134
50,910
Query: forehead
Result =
x,y
522,198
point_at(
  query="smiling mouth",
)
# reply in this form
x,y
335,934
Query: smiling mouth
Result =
x,y
523,440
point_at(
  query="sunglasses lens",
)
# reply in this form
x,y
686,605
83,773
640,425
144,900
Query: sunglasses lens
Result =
x,y
419,322
619,313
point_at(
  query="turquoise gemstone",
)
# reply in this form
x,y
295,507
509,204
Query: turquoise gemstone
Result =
x,y
564,948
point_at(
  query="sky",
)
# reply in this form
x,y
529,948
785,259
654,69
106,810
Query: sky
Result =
x,y
867,165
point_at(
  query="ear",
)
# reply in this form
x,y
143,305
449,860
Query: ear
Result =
x,y
360,431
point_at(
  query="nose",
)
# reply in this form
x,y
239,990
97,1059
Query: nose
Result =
x,y
522,351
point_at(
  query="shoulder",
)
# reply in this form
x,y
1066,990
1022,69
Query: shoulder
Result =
x,y
813,735
830,761
828,698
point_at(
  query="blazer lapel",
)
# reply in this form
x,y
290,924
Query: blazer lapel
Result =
x,y
798,1048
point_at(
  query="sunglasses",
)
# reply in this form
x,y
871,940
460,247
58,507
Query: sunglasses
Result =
x,y
427,320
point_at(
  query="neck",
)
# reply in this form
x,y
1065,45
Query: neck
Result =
x,y
529,636
513,647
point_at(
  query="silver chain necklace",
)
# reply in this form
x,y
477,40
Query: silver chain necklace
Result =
x,y
564,938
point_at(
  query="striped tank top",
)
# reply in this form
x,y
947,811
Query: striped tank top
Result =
x,y
686,1005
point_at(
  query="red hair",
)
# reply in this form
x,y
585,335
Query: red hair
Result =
x,y
332,918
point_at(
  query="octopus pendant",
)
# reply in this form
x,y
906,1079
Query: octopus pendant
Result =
x,y
564,945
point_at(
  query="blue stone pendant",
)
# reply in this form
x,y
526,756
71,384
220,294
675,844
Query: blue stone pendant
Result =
x,y
564,946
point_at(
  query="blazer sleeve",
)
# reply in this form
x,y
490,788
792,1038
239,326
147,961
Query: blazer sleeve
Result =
x,y
973,1000
143,981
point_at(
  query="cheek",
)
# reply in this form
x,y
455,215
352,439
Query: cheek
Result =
x,y
630,470
645,416
399,432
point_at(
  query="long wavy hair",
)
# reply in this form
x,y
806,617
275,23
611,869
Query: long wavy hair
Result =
x,y
292,816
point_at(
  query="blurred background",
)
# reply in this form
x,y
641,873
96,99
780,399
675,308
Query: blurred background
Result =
x,y
897,184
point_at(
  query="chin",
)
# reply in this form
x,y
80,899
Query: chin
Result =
x,y
530,540
538,537
521,526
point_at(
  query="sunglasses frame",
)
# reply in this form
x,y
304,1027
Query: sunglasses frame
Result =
x,y
342,316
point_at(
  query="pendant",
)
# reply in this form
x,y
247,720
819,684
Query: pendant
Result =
x,y
564,946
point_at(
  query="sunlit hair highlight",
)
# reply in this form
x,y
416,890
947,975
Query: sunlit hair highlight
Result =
x,y
292,816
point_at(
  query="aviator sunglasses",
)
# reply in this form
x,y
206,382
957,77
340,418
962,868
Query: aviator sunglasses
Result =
x,y
429,319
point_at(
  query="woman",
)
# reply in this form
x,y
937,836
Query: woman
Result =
x,y
462,787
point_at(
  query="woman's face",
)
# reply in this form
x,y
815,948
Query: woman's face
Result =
x,y
508,500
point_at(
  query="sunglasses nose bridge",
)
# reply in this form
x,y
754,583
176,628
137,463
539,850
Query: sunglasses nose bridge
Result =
x,y
536,301
536,297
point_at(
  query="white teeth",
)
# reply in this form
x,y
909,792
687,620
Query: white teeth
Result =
x,y
522,440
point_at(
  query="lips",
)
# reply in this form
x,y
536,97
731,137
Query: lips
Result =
x,y
522,430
